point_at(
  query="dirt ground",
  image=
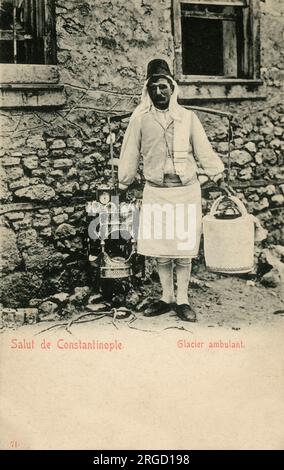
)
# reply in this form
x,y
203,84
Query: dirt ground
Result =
x,y
226,301
233,302
229,302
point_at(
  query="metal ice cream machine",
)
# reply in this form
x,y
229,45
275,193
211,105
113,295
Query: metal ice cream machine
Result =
x,y
112,228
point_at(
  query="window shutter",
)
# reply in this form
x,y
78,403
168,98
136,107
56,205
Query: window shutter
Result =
x,y
50,32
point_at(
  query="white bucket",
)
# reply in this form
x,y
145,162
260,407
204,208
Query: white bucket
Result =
x,y
229,243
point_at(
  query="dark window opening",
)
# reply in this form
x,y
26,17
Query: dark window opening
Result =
x,y
212,40
27,33
202,47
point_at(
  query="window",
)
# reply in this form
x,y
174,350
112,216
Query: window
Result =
x,y
30,77
27,33
217,40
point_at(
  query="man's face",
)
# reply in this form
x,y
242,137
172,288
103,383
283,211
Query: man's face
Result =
x,y
160,92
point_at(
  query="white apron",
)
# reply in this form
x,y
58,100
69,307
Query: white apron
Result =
x,y
170,221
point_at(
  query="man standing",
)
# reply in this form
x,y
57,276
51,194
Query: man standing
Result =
x,y
171,139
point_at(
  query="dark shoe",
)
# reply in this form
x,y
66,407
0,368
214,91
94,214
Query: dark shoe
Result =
x,y
185,312
157,308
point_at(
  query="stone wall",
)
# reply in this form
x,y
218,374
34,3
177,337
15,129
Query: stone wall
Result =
x,y
53,160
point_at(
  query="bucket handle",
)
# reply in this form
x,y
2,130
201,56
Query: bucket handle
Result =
x,y
234,199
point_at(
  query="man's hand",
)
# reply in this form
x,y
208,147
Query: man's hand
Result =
x,y
219,180
202,179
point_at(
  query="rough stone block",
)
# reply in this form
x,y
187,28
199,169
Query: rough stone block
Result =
x,y
27,152
275,144
278,131
84,187
63,163
46,232
267,130
20,183
241,157
98,157
65,231
35,302
42,153
16,154
270,190
251,147
8,317
69,210
56,173
258,158
57,210
59,219
42,222
262,204
271,279
20,316
67,189
35,181
223,147
31,163
86,162
58,144
39,192
48,308
245,174
31,315
74,143
9,161
80,297
14,173
61,297
278,199
72,173
39,173
15,215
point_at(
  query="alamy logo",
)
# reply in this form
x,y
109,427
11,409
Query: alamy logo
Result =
x,y
153,221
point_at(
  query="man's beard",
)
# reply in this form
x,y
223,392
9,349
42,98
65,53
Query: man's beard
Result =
x,y
162,104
